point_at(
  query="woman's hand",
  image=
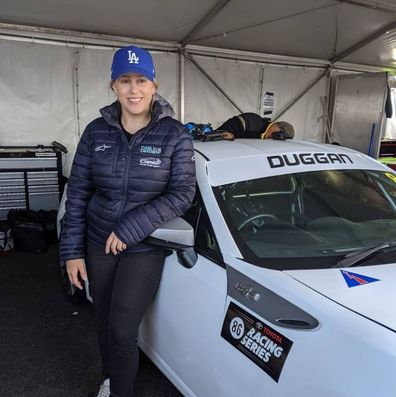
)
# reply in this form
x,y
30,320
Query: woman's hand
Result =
x,y
114,244
75,267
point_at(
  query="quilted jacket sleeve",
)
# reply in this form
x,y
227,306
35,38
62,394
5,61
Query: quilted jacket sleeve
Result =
x,y
140,222
79,191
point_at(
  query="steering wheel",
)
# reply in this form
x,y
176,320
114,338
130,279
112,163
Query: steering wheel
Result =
x,y
254,218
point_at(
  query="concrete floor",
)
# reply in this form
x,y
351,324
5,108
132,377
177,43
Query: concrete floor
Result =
x,y
48,347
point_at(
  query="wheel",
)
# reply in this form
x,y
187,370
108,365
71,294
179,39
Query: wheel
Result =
x,y
74,295
254,219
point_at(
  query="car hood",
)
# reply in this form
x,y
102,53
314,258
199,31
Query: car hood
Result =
x,y
368,291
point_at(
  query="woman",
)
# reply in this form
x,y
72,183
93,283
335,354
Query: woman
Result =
x,y
133,171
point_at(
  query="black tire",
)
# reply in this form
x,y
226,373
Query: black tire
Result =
x,y
73,294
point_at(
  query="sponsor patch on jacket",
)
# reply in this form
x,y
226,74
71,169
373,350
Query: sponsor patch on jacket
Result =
x,y
150,162
260,343
150,149
102,148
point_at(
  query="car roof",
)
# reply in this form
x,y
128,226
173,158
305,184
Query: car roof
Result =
x,y
247,159
219,150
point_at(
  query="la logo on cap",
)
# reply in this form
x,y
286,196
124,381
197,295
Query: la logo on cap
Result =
x,y
132,58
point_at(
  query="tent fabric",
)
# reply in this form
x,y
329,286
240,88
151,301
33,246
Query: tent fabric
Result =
x,y
307,114
36,94
316,29
50,92
205,103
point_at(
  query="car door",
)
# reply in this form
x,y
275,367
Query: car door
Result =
x,y
181,330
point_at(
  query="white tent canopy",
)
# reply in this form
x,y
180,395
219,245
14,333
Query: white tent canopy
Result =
x,y
55,58
317,29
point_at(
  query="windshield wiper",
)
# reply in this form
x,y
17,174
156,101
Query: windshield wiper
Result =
x,y
360,255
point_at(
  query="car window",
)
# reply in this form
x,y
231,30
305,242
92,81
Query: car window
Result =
x,y
205,240
193,212
292,220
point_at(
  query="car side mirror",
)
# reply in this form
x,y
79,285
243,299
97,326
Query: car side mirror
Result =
x,y
177,235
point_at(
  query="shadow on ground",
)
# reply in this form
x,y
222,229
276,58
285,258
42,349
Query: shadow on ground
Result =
x,y
48,347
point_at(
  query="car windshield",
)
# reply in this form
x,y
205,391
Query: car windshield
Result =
x,y
310,219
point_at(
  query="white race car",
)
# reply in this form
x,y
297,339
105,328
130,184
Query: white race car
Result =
x,y
289,280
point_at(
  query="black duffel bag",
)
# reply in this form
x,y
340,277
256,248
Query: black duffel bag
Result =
x,y
6,238
28,230
48,220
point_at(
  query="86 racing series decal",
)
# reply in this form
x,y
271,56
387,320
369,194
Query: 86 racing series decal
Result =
x,y
266,347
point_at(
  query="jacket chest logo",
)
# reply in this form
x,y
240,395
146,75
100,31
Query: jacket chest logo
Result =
x,y
147,149
150,162
102,148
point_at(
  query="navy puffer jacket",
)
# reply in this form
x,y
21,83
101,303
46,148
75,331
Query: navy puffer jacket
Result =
x,y
130,188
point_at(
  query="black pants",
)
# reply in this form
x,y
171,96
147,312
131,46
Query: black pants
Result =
x,y
122,287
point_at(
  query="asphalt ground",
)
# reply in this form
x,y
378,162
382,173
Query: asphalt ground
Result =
x,y
48,347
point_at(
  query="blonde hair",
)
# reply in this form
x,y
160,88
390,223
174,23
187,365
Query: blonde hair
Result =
x,y
155,81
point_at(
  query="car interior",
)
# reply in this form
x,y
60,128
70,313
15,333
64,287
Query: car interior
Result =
x,y
311,212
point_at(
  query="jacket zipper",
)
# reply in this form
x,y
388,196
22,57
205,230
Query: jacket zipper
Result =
x,y
126,176
115,156
131,144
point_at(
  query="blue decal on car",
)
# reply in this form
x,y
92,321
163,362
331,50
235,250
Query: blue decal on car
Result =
x,y
354,279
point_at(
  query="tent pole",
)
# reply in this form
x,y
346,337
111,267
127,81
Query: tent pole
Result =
x,y
265,22
76,89
79,37
60,37
203,71
205,20
364,42
301,94
260,93
373,5
181,87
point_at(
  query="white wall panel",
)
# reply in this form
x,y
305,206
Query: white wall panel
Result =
x,y
167,73
307,114
36,94
204,103
94,90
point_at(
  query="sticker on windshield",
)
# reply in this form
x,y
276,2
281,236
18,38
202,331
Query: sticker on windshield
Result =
x,y
391,176
267,348
354,279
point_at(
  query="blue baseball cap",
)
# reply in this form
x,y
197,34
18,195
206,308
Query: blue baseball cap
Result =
x,y
132,60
